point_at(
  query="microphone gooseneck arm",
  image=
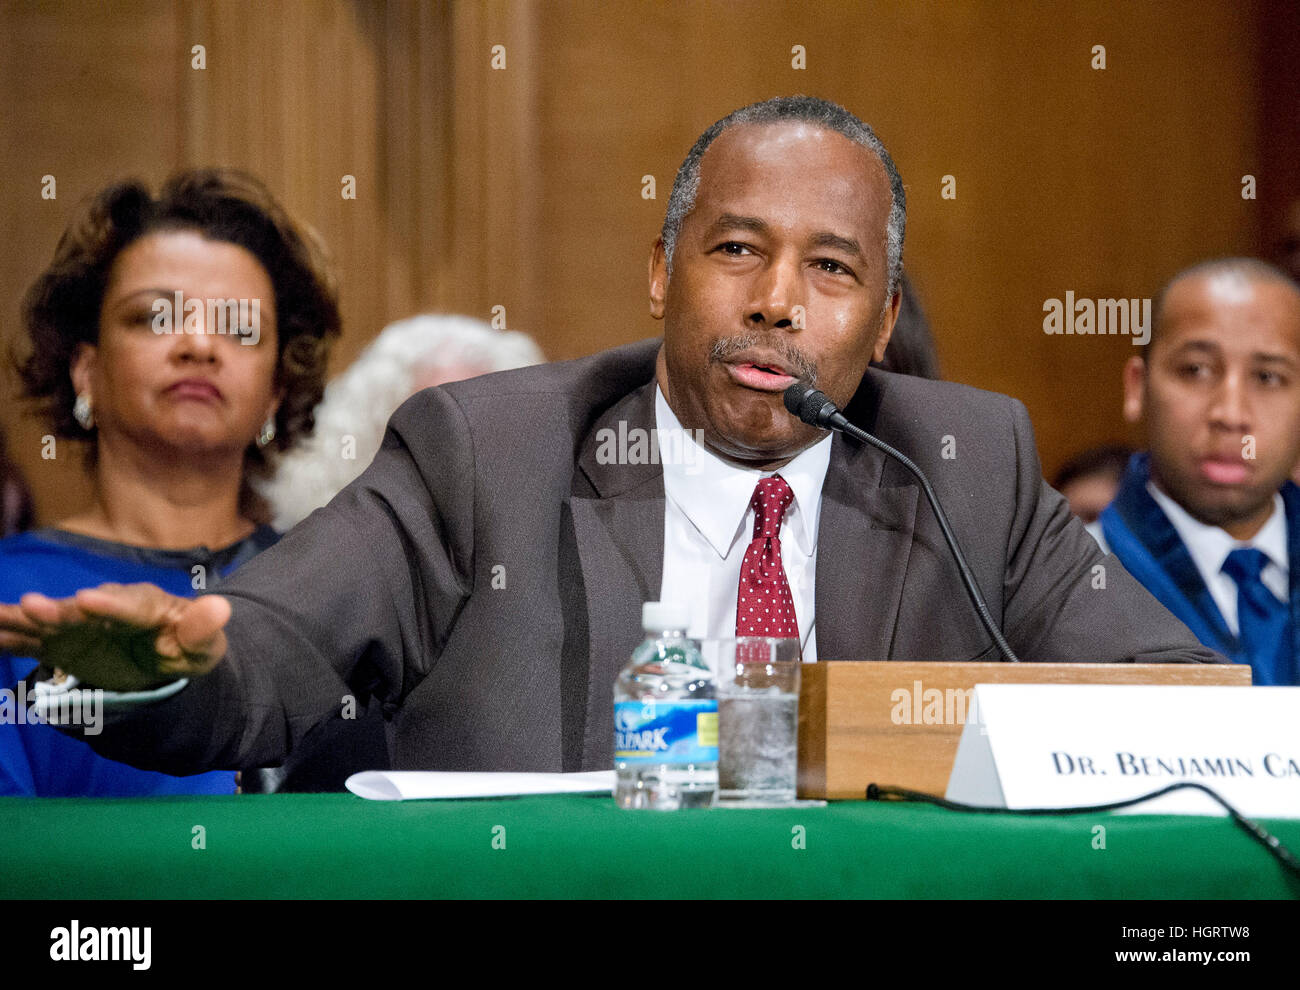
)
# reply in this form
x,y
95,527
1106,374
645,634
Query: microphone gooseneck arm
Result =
x,y
815,409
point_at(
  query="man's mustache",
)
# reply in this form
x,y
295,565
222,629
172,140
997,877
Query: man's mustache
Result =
x,y
792,359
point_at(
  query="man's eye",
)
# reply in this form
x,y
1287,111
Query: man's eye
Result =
x,y
1272,379
1194,370
832,266
733,248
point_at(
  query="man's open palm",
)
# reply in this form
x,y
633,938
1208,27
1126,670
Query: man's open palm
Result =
x,y
120,637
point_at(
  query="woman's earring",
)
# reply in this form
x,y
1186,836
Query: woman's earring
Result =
x,y
82,412
267,433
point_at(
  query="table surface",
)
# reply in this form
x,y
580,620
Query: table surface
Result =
x,y
340,846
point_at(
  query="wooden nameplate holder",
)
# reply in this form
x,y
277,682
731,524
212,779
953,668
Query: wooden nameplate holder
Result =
x,y
893,722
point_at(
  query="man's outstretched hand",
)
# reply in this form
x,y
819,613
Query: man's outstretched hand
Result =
x,y
120,637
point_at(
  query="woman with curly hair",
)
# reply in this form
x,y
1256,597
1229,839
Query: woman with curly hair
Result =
x,y
183,338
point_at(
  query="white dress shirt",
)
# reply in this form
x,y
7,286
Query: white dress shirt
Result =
x,y
1209,547
708,526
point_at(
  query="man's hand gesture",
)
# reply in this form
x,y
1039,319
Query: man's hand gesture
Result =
x,y
120,637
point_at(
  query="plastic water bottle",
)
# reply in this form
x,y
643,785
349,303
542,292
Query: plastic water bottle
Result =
x,y
665,718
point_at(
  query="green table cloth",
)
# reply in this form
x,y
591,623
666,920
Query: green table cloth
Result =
x,y
340,846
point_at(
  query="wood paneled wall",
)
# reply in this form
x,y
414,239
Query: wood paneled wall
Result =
x,y
522,186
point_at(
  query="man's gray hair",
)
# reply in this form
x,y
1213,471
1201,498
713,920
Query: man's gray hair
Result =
x,y
811,110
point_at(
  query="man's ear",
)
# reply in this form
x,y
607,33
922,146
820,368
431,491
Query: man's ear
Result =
x,y
658,279
82,368
1135,379
887,325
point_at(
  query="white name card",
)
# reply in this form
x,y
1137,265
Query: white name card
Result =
x,y
1066,745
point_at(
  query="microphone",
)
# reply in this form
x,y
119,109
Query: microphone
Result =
x,y
815,409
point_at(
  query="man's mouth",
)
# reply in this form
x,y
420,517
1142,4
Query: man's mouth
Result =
x,y
763,376
1224,470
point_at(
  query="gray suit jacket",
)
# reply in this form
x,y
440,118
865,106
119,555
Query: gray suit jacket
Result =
x,y
483,578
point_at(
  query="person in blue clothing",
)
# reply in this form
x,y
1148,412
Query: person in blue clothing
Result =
x,y
1206,517
183,339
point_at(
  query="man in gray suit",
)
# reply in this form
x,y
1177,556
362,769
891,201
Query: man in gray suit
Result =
x,y
484,577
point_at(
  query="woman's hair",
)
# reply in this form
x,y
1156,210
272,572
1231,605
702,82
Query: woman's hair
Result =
x,y
17,513
911,350
61,309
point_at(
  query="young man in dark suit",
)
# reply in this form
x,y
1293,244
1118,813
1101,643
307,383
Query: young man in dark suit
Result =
x,y
1206,518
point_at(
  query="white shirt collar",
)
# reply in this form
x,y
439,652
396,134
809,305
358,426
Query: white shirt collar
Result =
x,y
714,495
1210,545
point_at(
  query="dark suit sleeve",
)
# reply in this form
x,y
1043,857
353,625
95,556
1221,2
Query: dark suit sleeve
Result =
x,y
358,598
1066,600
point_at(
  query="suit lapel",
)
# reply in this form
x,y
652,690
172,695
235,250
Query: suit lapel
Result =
x,y
1291,504
1177,581
865,537
618,522
864,540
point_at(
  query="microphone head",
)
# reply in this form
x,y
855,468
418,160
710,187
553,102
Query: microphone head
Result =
x,y
808,404
793,397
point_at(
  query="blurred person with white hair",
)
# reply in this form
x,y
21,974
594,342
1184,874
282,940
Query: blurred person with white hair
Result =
x,y
407,356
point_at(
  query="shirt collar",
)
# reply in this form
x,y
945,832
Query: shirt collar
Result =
x,y
1210,545
714,495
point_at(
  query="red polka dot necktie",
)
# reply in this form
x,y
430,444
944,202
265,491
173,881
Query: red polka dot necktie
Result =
x,y
764,606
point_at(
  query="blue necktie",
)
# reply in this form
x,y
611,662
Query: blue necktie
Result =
x,y
1263,622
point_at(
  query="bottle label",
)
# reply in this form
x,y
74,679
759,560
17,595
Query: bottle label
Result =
x,y
666,731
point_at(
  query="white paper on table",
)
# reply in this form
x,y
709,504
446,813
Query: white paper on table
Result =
x,y
414,785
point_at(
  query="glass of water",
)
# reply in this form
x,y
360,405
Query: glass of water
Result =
x,y
758,717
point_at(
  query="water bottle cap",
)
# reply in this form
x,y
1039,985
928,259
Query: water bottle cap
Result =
x,y
658,616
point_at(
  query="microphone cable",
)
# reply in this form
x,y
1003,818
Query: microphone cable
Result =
x,y
881,792
815,409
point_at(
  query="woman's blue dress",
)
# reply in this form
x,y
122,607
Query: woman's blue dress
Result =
x,y
39,760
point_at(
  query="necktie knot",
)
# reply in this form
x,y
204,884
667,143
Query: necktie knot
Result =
x,y
1244,565
772,496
